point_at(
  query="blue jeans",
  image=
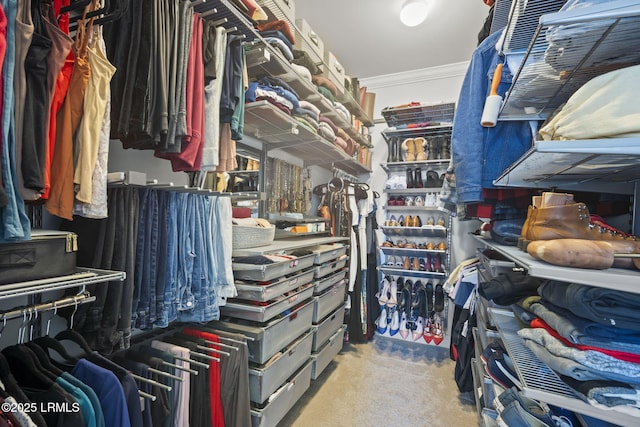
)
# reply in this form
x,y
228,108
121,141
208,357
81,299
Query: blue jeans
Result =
x,y
13,218
481,154
222,246
197,297
168,307
144,310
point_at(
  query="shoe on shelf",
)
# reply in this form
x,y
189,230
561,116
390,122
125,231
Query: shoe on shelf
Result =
x,y
403,328
510,395
400,201
515,415
442,246
440,222
418,201
430,221
500,368
384,293
416,221
438,299
420,147
401,221
432,180
415,263
381,322
394,325
429,246
430,199
406,263
427,330
417,178
410,179
421,264
393,222
416,334
436,329
437,265
409,150
393,293
399,261
391,261
429,297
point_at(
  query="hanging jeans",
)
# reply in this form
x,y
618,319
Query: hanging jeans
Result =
x,y
14,220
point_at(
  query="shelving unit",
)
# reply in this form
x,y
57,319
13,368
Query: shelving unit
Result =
x,y
292,312
568,49
612,278
541,383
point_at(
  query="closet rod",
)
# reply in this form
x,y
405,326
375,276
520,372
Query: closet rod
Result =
x,y
195,362
54,305
232,340
204,356
150,381
213,330
165,374
197,2
209,12
212,350
147,395
219,22
181,368
186,189
221,345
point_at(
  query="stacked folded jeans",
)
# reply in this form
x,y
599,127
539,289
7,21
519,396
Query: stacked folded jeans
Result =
x,y
517,410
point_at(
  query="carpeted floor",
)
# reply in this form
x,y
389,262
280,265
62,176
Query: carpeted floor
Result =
x,y
385,383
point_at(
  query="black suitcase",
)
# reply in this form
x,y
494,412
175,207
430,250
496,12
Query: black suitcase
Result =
x,y
49,253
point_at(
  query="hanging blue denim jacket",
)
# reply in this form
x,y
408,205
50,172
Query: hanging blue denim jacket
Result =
x,y
480,154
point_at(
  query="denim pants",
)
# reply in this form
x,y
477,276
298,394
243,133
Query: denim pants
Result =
x,y
146,261
592,363
582,331
13,218
222,242
605,306
169,313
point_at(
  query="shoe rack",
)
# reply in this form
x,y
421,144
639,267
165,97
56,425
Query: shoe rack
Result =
x,y
415,254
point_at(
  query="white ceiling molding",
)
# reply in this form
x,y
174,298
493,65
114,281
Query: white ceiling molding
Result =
x,y
440,72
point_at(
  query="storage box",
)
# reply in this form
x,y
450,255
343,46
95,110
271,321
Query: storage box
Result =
x,y
242,309
331,299
308,41
283,399
257,291
326,253
266,272
321,284
321,359
330,267
270,338
326,328
49,253
264,380
279,9
334,71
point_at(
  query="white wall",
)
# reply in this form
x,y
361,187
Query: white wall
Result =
x,y
427,86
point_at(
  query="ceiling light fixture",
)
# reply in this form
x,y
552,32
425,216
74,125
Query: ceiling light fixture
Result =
x,y
414,12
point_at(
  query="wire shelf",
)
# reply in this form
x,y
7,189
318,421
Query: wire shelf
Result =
x,y
395,116
523,21
540,382
570,48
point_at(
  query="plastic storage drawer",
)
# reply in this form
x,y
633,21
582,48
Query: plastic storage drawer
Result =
x,y
283,399
263,313
327,302
325,253
255,291
323,330
308,41
266,272
330,267
321,359
270,338
321,284
264,380
280,9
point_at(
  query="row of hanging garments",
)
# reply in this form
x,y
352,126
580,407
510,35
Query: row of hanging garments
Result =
x,y
55,110
190,376
350,207
179,89
175,248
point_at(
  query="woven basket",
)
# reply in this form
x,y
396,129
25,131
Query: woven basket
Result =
x,y
251,237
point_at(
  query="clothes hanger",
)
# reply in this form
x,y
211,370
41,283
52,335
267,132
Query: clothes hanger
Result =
x,y
75,337
44,359
24,368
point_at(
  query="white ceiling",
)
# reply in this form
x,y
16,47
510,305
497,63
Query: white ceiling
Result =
x,y
369,40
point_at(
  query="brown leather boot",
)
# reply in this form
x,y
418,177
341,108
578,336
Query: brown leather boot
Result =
x,y
571,221
547,199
